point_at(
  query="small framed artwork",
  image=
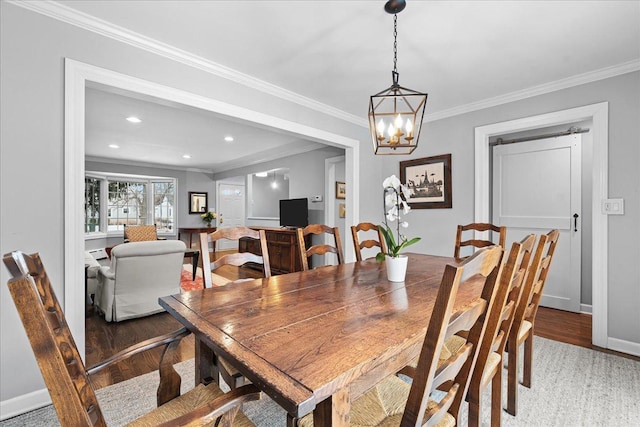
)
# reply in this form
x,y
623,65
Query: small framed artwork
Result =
x,y
198,202
341,190
429,181
342,210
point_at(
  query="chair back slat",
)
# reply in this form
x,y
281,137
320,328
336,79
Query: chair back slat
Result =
x,y
478,243
53,345
140,233
517,267
319,249
535,279
358,245
210,263
453,376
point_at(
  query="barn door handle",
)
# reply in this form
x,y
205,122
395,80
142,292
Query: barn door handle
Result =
x,y
575,222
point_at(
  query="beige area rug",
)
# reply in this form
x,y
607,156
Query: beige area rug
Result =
x,y
572,386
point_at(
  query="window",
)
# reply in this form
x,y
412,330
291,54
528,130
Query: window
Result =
x,y
91,205
121,200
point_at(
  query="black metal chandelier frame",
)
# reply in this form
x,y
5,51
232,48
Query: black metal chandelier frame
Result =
x,y
396,113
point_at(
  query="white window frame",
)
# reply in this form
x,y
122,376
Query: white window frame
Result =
x,y
106,177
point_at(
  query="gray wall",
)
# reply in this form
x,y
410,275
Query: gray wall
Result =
x,y
306,179
263,199
33,47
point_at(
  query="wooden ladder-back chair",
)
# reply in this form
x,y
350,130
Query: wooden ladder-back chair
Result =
x,y
229,373
67,379
489,365
238,259
319,249
478,243
369,243
440,381
524,318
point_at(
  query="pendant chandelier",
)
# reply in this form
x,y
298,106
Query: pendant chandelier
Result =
x,y
396,113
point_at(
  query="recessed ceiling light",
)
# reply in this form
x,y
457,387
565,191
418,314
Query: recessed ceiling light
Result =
x,y
261,174
133,119
114,146
228,138
186,156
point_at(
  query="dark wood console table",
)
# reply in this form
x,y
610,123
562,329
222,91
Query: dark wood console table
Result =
x,y
282,244
191,231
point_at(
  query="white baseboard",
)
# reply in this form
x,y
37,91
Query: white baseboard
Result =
x,y
586,308
623,346
24,403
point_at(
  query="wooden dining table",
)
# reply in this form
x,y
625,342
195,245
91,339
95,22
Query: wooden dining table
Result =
x,y
316,340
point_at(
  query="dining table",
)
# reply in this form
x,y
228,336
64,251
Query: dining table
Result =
x,y
315,340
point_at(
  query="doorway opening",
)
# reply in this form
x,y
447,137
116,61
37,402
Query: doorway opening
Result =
x,y
77,76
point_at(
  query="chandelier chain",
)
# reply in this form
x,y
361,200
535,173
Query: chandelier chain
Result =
x,y
395,42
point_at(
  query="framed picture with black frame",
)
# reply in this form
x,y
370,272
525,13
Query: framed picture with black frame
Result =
x,y
429,181
198,202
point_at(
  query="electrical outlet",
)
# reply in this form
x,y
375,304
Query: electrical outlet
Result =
x,y
316,198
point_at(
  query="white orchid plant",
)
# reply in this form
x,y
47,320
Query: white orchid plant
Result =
x,y
395,197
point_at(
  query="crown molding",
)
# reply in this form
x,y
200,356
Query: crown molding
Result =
x,y
579,79
74,17
85,21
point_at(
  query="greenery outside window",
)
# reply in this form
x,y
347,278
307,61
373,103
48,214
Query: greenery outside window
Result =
x,y
115,200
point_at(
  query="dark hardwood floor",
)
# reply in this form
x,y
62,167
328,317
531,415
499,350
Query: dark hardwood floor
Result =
x,y
104,339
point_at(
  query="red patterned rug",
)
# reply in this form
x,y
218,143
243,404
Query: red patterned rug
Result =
x,y
190,285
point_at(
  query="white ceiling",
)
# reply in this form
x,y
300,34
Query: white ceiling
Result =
x,y
168,131
463,53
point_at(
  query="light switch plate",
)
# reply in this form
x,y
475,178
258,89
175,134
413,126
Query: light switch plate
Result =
x,y
613,206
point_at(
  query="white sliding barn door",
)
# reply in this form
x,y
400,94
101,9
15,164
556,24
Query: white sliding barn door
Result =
x,y
536,188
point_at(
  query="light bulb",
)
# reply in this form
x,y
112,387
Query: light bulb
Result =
x,y
391,131
381,127
409,127
398,122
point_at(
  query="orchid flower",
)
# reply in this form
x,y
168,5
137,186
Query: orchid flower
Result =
x,y
395,196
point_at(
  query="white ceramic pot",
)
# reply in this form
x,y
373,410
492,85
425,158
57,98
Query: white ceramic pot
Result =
x,y
396,268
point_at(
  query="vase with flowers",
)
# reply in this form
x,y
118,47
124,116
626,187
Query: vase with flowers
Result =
x,y
395,196
208,216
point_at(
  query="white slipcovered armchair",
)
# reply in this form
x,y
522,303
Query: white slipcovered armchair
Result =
x,y
140,273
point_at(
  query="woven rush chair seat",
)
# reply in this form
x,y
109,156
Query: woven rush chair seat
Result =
x,y
383,405
186,403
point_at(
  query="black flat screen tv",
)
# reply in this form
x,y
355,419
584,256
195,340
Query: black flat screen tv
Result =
x,y
294,213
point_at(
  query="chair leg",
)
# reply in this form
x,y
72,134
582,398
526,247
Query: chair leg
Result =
x,y
474,410
528,360
512,378
496,398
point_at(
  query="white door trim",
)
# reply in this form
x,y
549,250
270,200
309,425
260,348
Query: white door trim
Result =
x,y
599,113
77,75
330,206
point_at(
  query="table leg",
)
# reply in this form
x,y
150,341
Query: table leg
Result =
x,y
194,261
206,367
333,411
